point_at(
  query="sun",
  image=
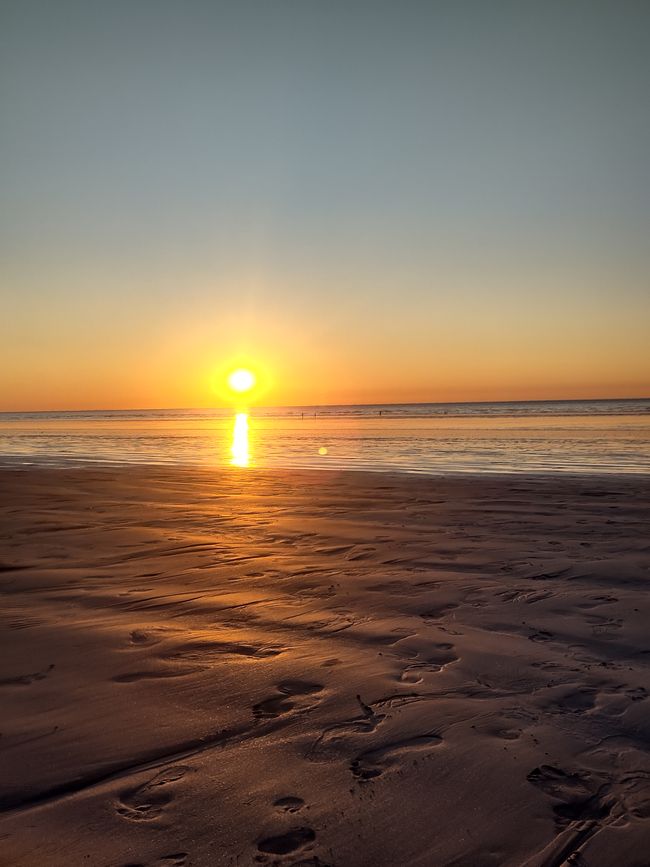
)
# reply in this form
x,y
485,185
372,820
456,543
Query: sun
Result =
x,y
241,380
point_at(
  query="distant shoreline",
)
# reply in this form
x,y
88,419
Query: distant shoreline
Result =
x,y
297,408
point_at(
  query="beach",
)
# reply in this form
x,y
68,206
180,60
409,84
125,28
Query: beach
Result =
x,y
243,666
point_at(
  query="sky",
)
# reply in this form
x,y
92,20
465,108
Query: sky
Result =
x,y
369,201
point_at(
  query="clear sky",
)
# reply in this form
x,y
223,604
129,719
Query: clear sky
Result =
x,y
376,201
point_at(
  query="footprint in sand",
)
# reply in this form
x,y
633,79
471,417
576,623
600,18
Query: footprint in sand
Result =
x,y
139,636
584,805
317,592
635,795
373,763
147,802
596,601
412,675
289,804
26,679
629,795
581,796
153,674
559,783
475,597
416,672
176,859
513,594
335,740
438,656
636,693
290,841
532,598
604,627
577,701
342,620
498,729
617,701
149,635
438,611
290,696
397,636
541,635
205,650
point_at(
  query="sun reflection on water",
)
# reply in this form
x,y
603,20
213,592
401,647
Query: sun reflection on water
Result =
x,y
240,450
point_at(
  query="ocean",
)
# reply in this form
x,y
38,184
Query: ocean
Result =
x,y
577,436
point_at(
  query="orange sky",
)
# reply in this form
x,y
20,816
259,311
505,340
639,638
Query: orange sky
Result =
x,y
180,358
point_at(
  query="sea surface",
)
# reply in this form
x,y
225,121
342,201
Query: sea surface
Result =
x,y
587,436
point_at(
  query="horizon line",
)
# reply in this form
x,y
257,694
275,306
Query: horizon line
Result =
x,y
314,405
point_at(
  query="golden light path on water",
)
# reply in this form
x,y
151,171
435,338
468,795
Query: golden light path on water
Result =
x,y
240,450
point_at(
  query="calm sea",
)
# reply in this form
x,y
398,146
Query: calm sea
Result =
x,y
595,436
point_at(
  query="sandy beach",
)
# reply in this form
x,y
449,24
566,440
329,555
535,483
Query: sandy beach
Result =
x,y
310,668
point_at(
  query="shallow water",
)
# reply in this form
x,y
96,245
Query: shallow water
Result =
x,y
567,436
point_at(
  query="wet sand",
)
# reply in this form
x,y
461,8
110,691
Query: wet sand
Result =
x,y
304,668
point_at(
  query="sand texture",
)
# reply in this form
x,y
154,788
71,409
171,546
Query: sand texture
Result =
x,y
303,668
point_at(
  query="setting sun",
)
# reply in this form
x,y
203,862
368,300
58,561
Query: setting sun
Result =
x,y
241,380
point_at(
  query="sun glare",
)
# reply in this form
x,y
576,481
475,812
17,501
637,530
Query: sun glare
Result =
x,y
239,449
241,380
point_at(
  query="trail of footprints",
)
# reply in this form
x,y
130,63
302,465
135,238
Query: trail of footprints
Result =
x,y
577,797
290,841
367,764
148,802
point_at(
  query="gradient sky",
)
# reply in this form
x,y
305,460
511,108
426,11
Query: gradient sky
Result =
x,y
377,201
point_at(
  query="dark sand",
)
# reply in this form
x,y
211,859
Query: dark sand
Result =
x,y
207,668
